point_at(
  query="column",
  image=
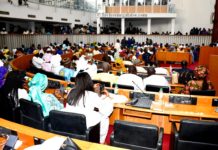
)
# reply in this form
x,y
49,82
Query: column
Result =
x,y
32,26
98,25
172,26
122,25
149,26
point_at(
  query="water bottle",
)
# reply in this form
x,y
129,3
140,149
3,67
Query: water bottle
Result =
x,y
161,98
116,89
161,94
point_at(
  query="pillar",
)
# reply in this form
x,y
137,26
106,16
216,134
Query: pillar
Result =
x,y
98,25
122,25
149,26
172,26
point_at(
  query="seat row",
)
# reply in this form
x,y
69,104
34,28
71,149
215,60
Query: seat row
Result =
x,y
192,134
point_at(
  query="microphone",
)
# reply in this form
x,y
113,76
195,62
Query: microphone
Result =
x,y
140,89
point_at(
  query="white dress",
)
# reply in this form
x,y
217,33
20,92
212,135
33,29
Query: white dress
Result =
x,y
91,101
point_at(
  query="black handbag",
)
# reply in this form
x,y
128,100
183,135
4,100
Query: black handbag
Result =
x,y
69,145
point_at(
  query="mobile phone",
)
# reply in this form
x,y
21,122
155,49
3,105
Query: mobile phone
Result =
x,y
102,86
11,142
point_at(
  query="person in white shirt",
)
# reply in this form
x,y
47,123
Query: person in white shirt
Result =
x,y
92,68
117,45
154,79
56,64
131,79
83,99
161,71
47,56
37,60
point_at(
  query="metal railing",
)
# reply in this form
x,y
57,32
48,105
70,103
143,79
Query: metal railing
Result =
x,y
83,5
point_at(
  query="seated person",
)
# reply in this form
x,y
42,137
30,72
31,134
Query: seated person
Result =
x,y
48,101
83,99
131,79
37,60
183,68
11,92
154,79
92,68
141,69
47,56
56,64
146,56
185,74
161,71
199,82
105,75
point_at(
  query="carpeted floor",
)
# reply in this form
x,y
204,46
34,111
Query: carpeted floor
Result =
x,y
166,139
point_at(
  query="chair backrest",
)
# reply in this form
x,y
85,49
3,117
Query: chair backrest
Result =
x,y
68,124
203,92
199,131
143,135
107,84
122,86
156,88
31,114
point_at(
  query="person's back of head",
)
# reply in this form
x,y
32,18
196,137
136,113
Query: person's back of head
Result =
x,y
132,69
83,82
151,71
106,67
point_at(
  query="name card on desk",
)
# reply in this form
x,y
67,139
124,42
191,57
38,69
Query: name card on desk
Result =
x,y
183,100
133,95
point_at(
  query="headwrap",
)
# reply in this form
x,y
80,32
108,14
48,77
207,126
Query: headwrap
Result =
x,y
47,101
200,72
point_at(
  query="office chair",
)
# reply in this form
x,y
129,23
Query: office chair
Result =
x,y
203,92
136,136
107,84
73,125
156,88
32,115
122,86
194,135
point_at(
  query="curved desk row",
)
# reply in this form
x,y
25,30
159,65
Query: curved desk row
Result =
x,y
27,134
163,113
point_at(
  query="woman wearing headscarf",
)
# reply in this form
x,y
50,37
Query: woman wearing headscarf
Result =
x,y
200,81
47,101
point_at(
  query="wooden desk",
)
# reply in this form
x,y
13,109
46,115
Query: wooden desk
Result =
x,y
26,135
173,56
162,114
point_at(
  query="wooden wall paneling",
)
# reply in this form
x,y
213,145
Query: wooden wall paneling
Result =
x,y
213,71
205,53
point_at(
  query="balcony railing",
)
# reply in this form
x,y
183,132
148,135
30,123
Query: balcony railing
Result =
x,y
83,5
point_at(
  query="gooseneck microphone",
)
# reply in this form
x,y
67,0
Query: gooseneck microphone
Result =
x,y
139,88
